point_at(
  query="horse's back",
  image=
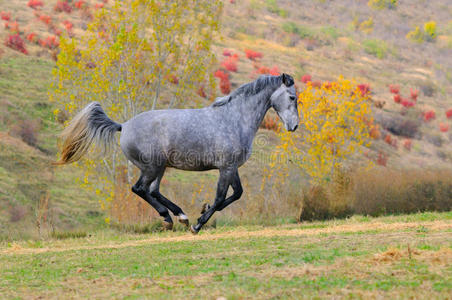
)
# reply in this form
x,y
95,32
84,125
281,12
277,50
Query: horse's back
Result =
x,y
189,139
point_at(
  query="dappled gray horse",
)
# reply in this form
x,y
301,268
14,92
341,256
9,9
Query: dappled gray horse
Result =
x,y
219,136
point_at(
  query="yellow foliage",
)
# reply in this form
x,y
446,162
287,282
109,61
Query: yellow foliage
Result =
x,y
125,61
335,121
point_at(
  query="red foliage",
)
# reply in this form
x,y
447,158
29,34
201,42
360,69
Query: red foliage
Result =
x,y
12,26
449,113
6,16
364,89
316,83
407,144
105,1
414,93
388,139
79,4
374,132
328,85
394,88
50,42
46,19
271,71
99,5
397,98
429,115
201,92
221,74
227,52
269,123
225,85
35,4
68,25
252,55
306,78
382,159
444,127
63,6
16,42
31,37
407,103
275,71
230,64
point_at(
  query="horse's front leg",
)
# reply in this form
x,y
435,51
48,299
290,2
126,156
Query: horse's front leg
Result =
x,y
226,177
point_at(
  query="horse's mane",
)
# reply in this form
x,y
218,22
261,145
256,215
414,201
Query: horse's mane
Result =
x,y
249,89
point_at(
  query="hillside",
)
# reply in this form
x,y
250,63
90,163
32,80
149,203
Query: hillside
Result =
x,y
323,39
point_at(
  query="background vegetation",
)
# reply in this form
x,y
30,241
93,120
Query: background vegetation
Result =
x,y
404,78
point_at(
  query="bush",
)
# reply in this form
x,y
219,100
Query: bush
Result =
x,y
15,42
35,4
230,64
428,34
272,6
377,48
269,123
306,78
63,6
252,55
379,192
398,125
5,16
429,115
449,113
430,30
394,88
27,131
382,4
395,192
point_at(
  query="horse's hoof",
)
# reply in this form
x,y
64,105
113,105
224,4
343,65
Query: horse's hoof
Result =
x,y
167,225
205,207
184,222
193,230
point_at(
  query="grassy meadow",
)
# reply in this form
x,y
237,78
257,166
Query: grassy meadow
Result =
x,y
361,257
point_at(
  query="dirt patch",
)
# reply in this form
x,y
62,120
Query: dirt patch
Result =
x,y
242,233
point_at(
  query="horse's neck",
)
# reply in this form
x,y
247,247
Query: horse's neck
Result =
x,y
253,110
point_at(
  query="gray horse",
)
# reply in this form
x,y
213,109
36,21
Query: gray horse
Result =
x,y
218,136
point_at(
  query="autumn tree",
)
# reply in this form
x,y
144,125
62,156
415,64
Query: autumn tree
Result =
x,y
335,122
135,56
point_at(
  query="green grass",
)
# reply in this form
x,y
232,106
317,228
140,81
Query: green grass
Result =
x,y
375,47
211,265
26,174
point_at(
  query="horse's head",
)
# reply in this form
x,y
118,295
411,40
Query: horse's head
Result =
x,y
284,102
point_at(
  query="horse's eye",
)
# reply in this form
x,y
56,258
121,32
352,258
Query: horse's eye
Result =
x,y
292,98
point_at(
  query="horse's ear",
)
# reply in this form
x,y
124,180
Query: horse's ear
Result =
x,y
222,100
287,80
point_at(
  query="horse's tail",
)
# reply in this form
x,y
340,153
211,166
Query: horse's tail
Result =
x,y
90,124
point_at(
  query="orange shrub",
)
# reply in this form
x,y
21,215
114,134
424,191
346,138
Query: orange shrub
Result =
x,y
444,127
270,123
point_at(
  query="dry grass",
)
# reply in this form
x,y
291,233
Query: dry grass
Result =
x,y
242,233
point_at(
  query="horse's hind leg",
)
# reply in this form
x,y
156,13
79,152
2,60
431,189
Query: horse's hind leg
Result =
x,y
176,210
141,188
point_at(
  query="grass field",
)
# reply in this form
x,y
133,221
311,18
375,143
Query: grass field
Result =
x,y
392,257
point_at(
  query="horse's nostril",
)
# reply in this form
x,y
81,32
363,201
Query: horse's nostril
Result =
x,y
295,128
